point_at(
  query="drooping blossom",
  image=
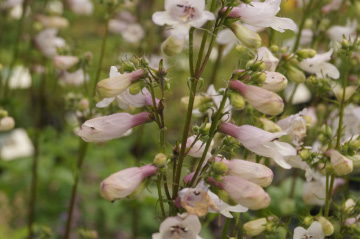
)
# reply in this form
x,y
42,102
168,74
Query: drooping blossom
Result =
x,y
81,7
318,65
110,127
16,144
65,62
76,78
336,33
263,14
117,83
197,148
125,182
243,33
314,232
274,82
182,226
295,125
48,43
261,142
265,101
125,98
181,15
263,54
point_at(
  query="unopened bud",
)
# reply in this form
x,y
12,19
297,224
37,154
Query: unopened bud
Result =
x,y
84,104
308,220
136,88
305,154
256,65
219,167
205,128
311,80
270,126
160,160
256,227
309,23
306,53
7,123
237,101
356,160
240,48
349,205
128,66
274,48
258,77
172,46
247,37
294,74
327,227
198,101
341,164
345,44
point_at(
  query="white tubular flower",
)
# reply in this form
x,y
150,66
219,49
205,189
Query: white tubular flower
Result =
x,y
65,62
16,144
302,94
7,123
261,142
109,127
20,78
76,78
263,54
318,65
81,7
263,14
125,182
274,82
224,208
336,32
125,24
314,232
196,200
125,98
182,15
47,42
184,226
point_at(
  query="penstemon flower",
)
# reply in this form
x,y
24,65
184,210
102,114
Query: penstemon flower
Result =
x,y
263,54
261,142
110,127
47,42
65,62
314,232
183,226
81,7
263,14
318,65
336,33
181,15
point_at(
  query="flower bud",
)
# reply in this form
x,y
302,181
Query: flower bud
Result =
x,y
160,160
65,62
345,44
255,65
308,220
349,91
136,88
270,126
172,46
268,58
84,104
219,167
237,101
354,145
256,227
306,53
3,113
349,205
128,66
249,38
274,48
114,86
258,77
275,81
305,154
7,123
327,227
341,164
198,101
263,100
125,182
294,74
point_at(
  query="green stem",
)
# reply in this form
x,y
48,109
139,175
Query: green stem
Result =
x,y
328,196
160,195
102,51
226,228
16,48
289,103
81,155
302,23
191,51
216,65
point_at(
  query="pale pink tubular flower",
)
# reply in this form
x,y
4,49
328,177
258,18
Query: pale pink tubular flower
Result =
x,y
184,226
125,98
109,127
182,15
76,78
65,62
197,148
124,182
253,172
117,83
244,192
261,142
81,7
265,101
263,14
47,42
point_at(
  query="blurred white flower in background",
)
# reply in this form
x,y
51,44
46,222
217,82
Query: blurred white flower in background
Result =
x,y
48,42
15,144
81,7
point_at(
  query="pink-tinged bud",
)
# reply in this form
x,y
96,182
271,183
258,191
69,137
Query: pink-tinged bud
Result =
x,y
124,182
114,86
65,62
256,227
188,178
341,164
253,172
7,123
274,81
109,127
265,101
261,142
244,192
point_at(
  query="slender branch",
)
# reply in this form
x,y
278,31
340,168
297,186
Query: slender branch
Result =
x,y
160,195
302,23
216,65
191,51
